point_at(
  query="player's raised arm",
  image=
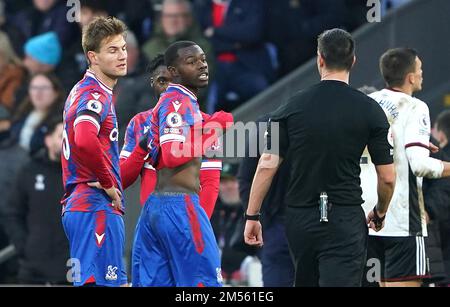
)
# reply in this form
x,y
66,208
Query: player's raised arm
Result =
x,y
132,156
417,140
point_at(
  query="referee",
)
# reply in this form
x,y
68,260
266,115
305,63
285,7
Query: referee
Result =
x,y
326,128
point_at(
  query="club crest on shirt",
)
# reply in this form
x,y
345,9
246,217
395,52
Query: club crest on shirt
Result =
x,y
111,274
94,106
174,120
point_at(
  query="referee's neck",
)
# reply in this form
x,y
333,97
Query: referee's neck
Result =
x,y
343,76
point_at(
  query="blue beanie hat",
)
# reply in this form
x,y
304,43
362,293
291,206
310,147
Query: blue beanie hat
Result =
x,y
44,48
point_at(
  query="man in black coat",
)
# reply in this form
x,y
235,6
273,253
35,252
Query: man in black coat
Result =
x,y
32,216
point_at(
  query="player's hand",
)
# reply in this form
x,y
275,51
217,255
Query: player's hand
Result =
x,y
375,222
219,119
96,185
143,141
253,233
433,148
116,197
112,192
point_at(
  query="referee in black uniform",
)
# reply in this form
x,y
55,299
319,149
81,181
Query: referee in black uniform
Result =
x,y
326,128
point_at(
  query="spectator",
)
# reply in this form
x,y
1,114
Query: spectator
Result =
x,y
176,23
436,194
44,100
89,9
42,53
224,221
44,16
11,72
32,215
138,15
133,92
12,157
244,64
305,19
442,134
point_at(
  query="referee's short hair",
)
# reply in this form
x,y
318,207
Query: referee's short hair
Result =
x,y
396,64
337,48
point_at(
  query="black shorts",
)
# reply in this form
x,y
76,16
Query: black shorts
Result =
x,y
327,254
400,258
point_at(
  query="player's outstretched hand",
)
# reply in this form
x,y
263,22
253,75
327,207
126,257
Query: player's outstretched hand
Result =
x,y
112,192
433,148
253,233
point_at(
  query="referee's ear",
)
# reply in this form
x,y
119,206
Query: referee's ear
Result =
x,y
354,61
320,60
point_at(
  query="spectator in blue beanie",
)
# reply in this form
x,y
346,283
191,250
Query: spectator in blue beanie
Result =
x,y
42,53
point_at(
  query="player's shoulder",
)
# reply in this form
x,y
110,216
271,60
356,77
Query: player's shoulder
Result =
x,y
173,102
419,104
181,90
362,97
141,117
90,88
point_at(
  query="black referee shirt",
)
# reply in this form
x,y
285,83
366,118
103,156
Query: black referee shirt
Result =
x,y
326,128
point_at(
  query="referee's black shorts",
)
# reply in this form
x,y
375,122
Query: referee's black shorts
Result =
x,y
329,254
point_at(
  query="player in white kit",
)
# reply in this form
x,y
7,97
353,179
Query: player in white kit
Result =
x,y
400,244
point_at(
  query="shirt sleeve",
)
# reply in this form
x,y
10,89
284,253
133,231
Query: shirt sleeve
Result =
x,y
130,140
175,119
276,137
380,142
93,107
418,127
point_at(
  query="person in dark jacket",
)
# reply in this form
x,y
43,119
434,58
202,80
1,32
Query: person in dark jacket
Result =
x,y
436,193
12,158
442,135
32,217
277,265
244,59
42,17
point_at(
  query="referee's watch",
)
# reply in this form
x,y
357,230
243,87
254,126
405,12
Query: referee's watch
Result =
x,y
254,217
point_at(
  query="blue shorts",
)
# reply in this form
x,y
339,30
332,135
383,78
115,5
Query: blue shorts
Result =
x,y
136,256
96,241
178,247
